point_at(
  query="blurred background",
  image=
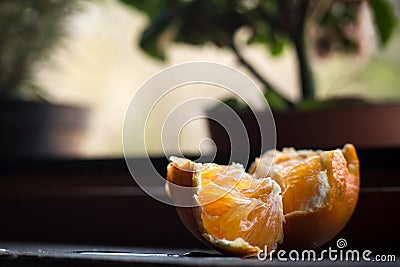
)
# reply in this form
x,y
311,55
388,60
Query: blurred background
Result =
x,y
69,69
98,65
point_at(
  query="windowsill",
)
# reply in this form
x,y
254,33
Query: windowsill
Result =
x,y
97,202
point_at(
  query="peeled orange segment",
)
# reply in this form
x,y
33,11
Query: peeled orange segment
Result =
x,y
300,175
319,191
235,212
304,195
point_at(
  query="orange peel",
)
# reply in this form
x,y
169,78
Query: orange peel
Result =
x,y
300,198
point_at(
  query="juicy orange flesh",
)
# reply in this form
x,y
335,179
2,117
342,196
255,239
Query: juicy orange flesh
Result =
x,y
234,204
245,207
299,180
307,177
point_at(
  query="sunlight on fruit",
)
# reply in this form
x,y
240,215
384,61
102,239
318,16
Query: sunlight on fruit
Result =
x,y
297,198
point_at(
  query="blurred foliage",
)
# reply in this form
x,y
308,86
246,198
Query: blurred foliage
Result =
x,y
385,19
29,30
201,21
338,30
272,23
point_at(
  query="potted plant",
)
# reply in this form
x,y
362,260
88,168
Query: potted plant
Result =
x,y
321,27
30,125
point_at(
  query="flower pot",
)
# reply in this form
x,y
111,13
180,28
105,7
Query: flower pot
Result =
x,y
366,126
34,129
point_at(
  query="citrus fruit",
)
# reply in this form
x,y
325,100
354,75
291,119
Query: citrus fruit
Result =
x,y
303,198
235,212
319,191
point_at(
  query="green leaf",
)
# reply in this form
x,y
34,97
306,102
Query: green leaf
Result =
x,y
150,39
385,19
275,101
235,104
333,103
149,7
263,34
276,47
314,104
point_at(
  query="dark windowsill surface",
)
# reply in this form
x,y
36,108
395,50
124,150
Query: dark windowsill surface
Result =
x,y
47,205
19,254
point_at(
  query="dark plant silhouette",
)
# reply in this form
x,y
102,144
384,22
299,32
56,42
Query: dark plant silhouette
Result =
x,y
302,24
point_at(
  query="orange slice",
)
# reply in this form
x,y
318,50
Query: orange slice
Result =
x,y
304,196
319,191
235,212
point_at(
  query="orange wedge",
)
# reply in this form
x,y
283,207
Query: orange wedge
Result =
x,y
319,191
303,198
